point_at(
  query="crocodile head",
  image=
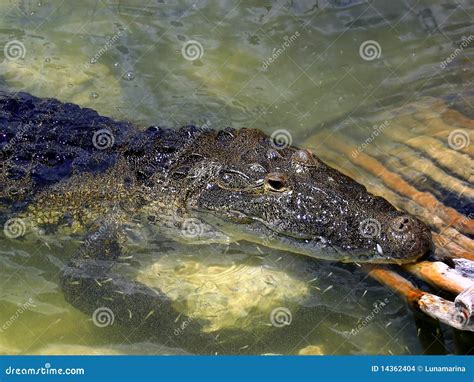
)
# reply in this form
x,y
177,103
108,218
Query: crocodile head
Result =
x,y
287,198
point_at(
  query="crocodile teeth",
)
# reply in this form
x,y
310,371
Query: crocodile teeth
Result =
x,y
379,249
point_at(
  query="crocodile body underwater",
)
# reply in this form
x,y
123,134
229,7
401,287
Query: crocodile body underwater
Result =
x,y
66,170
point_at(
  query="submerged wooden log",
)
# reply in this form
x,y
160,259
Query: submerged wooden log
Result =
x,y
410,159
458,163
441,275
445,311
464,304
446,248
457,314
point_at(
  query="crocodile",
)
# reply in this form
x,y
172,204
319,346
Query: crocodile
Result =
x,y
67,171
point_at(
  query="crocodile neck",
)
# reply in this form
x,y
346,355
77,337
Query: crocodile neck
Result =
x,y
53,173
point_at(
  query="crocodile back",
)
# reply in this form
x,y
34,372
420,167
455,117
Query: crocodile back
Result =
x,y
43,141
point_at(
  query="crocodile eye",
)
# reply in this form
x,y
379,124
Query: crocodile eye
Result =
x,y
276,182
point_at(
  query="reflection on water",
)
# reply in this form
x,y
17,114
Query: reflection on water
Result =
x,y
301,66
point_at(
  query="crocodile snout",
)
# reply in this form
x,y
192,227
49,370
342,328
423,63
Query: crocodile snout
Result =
x,y
402,223
409,237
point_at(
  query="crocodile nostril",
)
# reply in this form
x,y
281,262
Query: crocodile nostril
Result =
x,y
402,224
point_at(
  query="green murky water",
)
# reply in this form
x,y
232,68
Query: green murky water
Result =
x,y
292,65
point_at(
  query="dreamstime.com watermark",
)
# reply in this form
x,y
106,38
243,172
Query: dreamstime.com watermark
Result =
x,y
192,228
280,317
103,317
376,131
466,41
103,228
370,50
14,228
370,228
110,42
14,50
192,50
13,141
281,139
278,52
378,307
458,139
44,370
182,327
103,139
445,238
24,307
